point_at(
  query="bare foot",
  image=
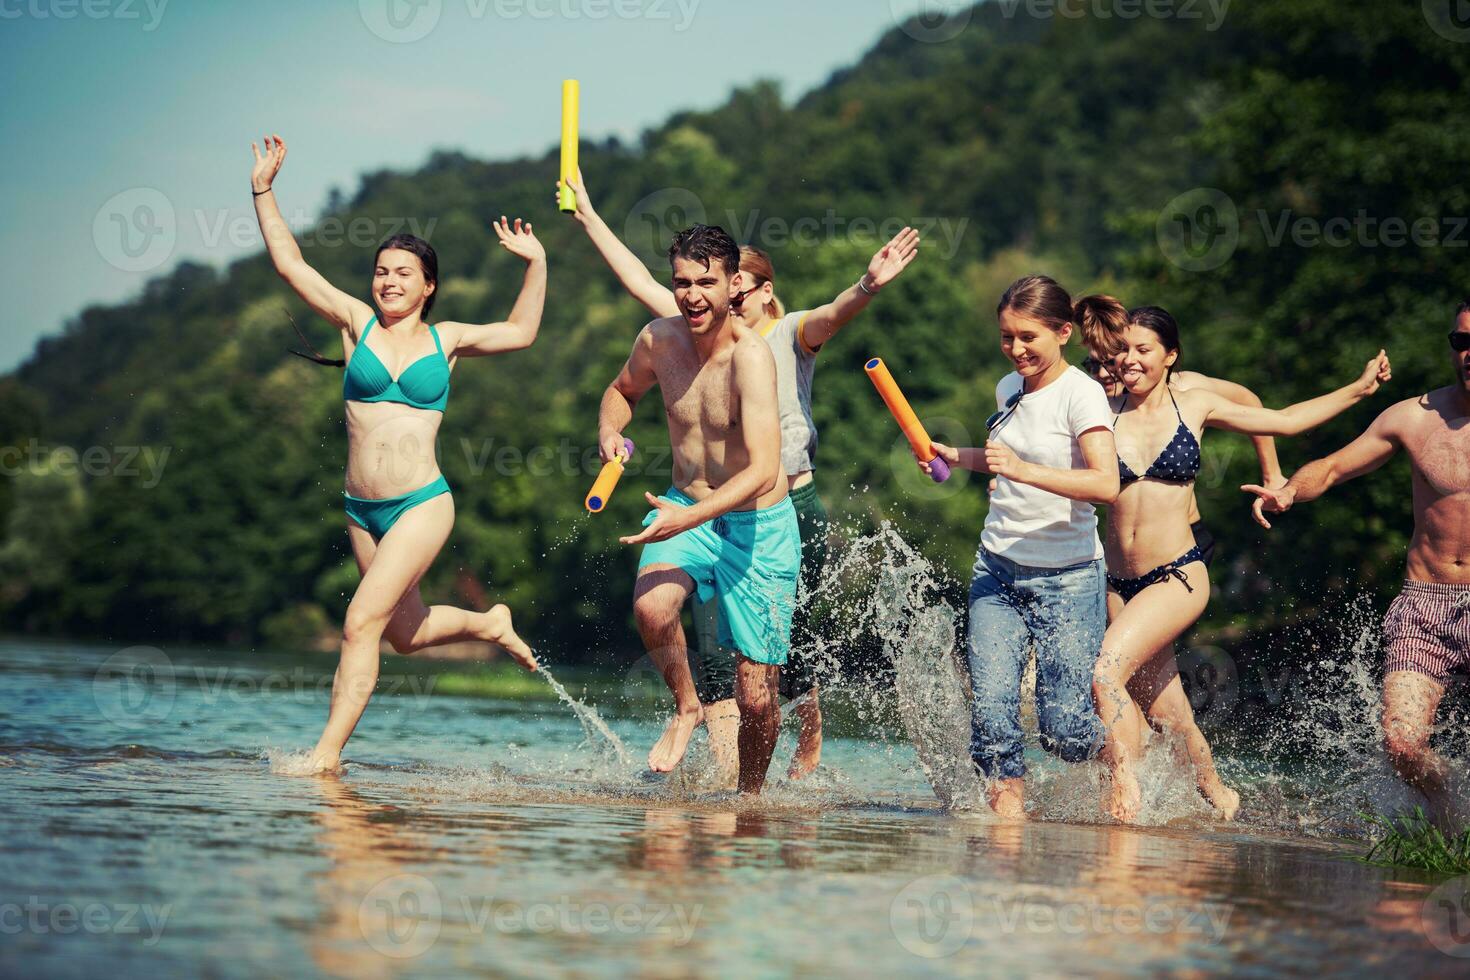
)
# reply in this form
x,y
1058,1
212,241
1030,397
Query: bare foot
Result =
x,y
808,748
501,633
1225,800
1007,799
1124,799
669,749
324,761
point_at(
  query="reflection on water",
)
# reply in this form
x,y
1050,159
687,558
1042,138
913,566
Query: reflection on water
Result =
x,y
477,837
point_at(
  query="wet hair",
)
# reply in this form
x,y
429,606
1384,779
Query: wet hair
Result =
x,y
707,244
757,265
428,260
1100,319
1162,323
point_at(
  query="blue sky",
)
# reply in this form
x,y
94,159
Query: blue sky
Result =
x,y
118,112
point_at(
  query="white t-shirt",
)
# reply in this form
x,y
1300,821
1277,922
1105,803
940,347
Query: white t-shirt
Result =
x,y
1035,527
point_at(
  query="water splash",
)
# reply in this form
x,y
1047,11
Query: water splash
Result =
x,y
593,726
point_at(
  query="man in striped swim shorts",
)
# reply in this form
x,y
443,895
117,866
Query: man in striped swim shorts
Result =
x,y
1427,630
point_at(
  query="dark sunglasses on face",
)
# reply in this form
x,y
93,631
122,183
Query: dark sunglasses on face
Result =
x,y
1092,367
1460,341
1000,418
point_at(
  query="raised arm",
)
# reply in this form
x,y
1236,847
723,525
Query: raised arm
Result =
x,y
1363,455
1292,420
760,424
1241,395
331,303
823,322
518,332
657,298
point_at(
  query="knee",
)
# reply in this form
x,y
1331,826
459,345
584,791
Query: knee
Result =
x,y
755,698
1109,673
362,625
1403,745
654,614
1170,719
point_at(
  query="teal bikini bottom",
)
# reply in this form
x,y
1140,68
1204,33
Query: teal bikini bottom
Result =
x,y
377,517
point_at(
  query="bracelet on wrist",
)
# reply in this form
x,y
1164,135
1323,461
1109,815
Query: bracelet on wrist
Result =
x,y
255,193
862,284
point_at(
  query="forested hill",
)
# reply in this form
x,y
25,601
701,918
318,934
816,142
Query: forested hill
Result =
x,y
1021,144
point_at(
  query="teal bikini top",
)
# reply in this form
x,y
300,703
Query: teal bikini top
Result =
x,y
423,384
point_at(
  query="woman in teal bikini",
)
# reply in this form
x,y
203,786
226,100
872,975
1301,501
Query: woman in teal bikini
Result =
x,y
399,508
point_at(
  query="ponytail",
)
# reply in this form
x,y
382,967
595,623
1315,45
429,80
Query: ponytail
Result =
x,y
1102,320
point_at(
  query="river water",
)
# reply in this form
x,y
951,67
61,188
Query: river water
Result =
x,y
153,829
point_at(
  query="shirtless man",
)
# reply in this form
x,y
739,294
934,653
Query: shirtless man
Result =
x,y
1427,630
726,527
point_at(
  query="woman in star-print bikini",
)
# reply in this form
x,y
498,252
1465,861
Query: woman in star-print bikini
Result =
x,y
1157,580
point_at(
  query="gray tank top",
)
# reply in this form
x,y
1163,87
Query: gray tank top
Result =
x,y
795,363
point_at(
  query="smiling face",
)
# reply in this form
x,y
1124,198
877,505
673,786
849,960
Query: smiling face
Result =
x,y
1031,345
703,292
1146,362
399,286
1462,358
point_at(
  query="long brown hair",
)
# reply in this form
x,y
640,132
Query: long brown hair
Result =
x,y
757,265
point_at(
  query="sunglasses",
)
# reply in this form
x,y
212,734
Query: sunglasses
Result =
x,y
1092,366
1000,418
1460,341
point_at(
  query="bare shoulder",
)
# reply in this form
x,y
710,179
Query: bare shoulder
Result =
x,y
1183,381
660,332
1402,416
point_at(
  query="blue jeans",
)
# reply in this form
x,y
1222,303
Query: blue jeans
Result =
x,y
1064,612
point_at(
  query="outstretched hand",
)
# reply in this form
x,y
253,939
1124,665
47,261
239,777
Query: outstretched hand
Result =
x,y
519,240
267,166
668,522
893,258
1276,501
1377,372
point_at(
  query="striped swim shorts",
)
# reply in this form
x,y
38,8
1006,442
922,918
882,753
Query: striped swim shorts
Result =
x,y
1427,630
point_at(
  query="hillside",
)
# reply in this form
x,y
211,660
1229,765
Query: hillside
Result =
x,y
1021,145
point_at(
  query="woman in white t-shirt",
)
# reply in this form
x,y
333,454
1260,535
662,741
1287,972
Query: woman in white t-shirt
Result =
x,y
1038,577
